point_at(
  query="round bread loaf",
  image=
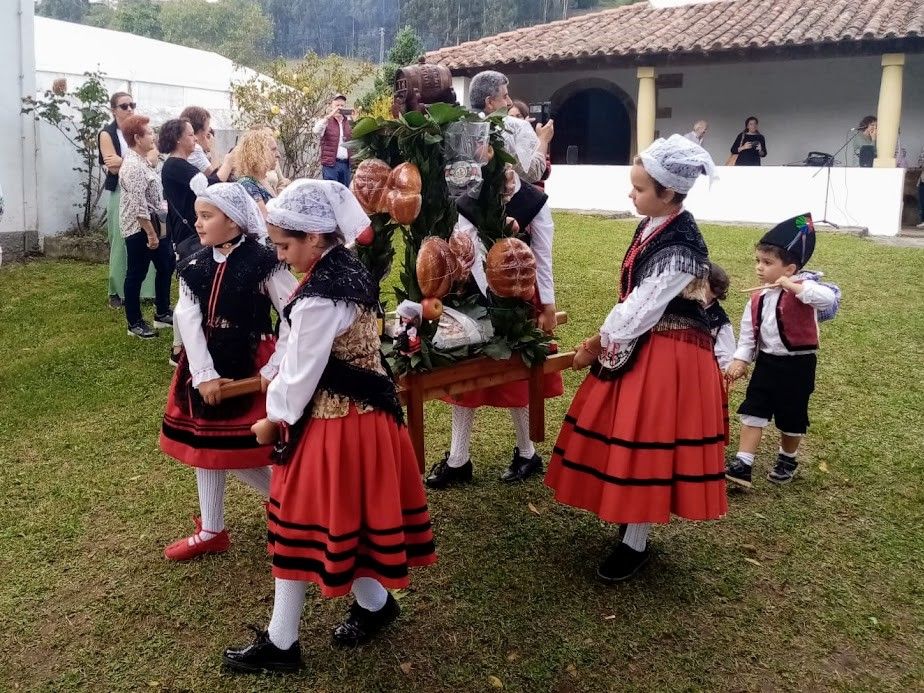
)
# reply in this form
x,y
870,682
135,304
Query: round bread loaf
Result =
x,y
511,269
435,265
370,185
403,207
405,178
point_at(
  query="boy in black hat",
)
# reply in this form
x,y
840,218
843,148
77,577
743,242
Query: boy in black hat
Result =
x,y
780,328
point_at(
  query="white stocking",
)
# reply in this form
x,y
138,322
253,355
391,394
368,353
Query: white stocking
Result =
x,y
462,420
520,417
369,593
257,478
211,485
287,612
636,536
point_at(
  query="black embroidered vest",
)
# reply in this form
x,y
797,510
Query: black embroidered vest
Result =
x,y
236,314
341,276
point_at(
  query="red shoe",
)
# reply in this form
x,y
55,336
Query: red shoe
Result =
x,y
182,550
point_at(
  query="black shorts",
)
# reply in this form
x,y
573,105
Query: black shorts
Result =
x,y
780,388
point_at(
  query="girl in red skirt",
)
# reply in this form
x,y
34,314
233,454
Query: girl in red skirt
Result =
x,y
347,508
223,315
644,437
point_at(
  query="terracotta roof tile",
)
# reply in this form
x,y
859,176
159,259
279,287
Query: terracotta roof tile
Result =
x,y
726,25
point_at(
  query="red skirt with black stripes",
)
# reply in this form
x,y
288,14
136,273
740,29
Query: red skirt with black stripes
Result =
x,y
350,503
651,441
216,443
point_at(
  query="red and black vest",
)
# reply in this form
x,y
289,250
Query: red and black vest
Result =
x,y
795,321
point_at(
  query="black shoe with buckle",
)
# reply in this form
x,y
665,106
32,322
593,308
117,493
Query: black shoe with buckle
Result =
x,y
521,468
163,320
114,302
442,475
141,329
262,657
738,472
622,563
784,471
361,625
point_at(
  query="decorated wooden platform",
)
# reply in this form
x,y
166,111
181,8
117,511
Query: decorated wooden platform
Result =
x,y
415,389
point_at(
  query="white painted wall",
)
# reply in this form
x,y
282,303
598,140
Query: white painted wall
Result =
x,y
163,78
803,105
17,142
863,197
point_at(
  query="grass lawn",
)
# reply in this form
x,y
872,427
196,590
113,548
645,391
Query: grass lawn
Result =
x,y
817,586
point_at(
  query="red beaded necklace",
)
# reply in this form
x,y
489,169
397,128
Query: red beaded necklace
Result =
x,y
628,265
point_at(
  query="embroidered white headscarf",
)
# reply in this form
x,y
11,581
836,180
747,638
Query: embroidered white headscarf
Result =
x,y
676,163
317,206
234,201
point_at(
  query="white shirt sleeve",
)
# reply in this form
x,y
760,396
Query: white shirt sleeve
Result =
x,y
747,344
643,307
316,322
279,287
725,346
816,295
199,159
542,230
319,126
187,318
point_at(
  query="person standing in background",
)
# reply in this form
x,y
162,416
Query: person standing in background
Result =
x,y
698,133
335,130
749,145
201,120
112,146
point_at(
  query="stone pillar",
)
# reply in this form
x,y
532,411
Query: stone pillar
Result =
x,y
646,107
890,109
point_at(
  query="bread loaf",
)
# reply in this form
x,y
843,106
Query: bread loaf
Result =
x,y
511,269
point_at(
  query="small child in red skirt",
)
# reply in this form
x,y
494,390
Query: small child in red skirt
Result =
x,y
227,290
644,437
347,505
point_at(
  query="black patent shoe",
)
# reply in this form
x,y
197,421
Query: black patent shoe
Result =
x,y
361,625
262,657
521,468
622,563
442,475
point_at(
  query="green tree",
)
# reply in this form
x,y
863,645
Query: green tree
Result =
x,y
79,115
141,17
100,15
237,29
405,50
68,10
294,97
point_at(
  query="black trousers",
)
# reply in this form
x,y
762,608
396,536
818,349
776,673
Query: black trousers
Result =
x,y
138,259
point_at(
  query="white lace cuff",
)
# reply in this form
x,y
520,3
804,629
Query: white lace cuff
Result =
x,y
204,376
269,371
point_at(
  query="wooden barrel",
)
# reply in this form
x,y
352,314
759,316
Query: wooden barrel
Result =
x,y
433,83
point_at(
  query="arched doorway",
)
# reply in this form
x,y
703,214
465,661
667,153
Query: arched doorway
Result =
x,y
596,119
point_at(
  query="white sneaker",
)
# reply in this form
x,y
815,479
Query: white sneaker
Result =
x,y
920,226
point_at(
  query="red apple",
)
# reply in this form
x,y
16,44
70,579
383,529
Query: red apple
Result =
x,y
432,308
365,236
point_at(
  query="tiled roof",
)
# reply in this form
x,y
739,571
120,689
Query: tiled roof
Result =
x,y
638,31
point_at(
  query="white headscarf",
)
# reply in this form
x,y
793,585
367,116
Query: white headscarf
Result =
x,y
318,206
677,162
237,205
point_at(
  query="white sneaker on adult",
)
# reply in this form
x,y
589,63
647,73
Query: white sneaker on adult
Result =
x,y
920,226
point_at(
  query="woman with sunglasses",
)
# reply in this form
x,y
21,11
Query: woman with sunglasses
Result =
x,y
112,146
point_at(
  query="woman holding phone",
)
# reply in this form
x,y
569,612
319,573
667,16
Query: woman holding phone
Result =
x,y
749,145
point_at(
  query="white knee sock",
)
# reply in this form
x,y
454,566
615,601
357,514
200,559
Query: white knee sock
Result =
x,y
287,612
462,420
520,417
369,593
746,457
636,536
211,485
257,478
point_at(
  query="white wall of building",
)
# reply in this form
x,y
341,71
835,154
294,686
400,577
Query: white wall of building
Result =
x,y
803,105
163,78
857,197
17,141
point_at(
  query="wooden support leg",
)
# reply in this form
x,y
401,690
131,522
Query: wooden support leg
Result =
x,y
537,404
415,417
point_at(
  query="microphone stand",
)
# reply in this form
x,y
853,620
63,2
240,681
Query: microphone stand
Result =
x,y
828,166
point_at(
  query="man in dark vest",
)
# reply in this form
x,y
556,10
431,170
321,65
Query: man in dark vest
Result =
x,y
334,130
